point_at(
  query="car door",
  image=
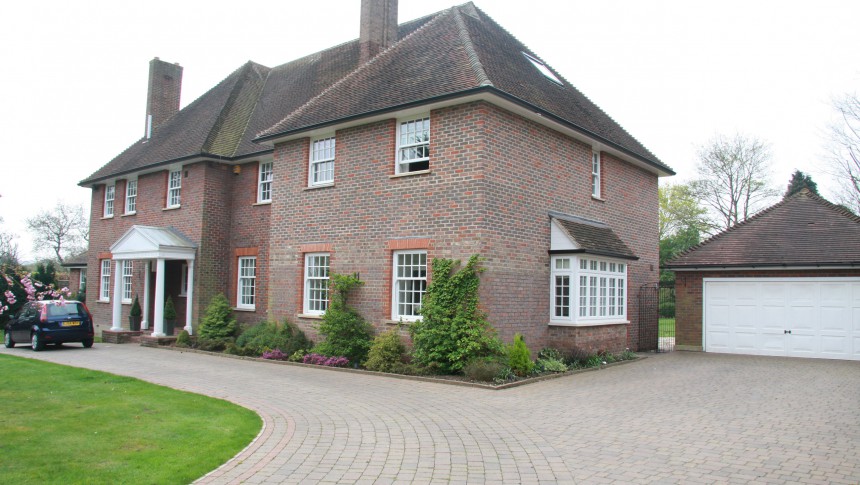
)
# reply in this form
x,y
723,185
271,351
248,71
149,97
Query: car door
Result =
x,y
22,323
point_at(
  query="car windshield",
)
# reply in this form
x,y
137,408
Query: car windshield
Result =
x,y
64,309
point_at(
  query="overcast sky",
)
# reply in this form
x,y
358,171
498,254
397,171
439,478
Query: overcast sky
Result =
x,y
673,73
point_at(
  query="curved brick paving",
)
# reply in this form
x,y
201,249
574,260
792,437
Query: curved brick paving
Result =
x,y
676,418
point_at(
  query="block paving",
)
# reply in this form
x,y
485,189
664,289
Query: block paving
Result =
x,y
672,418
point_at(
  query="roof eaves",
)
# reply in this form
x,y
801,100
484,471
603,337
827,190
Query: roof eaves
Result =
x,y
92,181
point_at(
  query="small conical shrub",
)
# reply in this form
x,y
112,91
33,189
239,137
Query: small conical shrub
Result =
x,y
218,323
519,357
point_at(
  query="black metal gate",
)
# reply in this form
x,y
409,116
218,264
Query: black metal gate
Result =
x,y
657,317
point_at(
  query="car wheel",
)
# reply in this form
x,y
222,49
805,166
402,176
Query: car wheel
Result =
x,y
8,340
88,343
36,342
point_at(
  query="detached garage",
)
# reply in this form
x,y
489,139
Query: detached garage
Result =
x,y
786,282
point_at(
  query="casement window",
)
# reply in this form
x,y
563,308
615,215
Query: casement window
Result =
x,y
183,286
83,280
174,188
264,183
131,196
316,283
110,192
104,283
595,174
541,67
246,294
321,170
127,272
586,289
409,284
413,145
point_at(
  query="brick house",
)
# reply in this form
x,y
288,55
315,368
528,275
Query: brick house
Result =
x,y
440,137
785,282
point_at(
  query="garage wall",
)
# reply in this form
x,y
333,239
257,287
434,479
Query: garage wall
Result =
x,y
689,304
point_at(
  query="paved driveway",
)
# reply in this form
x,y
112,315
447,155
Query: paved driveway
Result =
x,y
674,418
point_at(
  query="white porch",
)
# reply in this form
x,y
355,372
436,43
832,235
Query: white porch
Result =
x,y
152,245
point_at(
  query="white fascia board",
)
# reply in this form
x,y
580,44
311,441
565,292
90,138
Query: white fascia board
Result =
x,y
762,268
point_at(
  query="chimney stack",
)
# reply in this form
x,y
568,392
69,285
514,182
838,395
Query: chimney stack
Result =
x,y
378,27
162,98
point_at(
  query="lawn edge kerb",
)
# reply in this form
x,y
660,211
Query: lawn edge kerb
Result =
x,y
437,380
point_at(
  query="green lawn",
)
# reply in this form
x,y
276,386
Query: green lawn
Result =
x,y
667,327
65,425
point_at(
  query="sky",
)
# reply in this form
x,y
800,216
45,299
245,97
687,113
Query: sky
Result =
x,y
673,73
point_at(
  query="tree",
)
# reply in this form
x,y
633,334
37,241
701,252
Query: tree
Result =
x,y
798,182
680,209
734,176
845,150
46,273
8,249
64,231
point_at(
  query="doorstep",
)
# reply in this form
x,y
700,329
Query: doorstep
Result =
x,y
150,341
120,336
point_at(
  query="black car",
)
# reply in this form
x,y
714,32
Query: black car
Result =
x,y
50,322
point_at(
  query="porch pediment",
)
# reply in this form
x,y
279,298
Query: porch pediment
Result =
x,y
148,242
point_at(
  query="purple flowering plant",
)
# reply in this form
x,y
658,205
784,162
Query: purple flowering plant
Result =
x,y
318,359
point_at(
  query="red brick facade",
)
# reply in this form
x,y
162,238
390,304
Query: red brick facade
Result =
x,y
689,302
493,178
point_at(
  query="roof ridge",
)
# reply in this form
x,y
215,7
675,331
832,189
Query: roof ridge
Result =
x,y
235,91
839,209
352,74
480,74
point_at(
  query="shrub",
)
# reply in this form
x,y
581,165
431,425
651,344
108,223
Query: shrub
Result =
x,y
519,357
169,309
628,355
275,355
576,357
135,308
269,336
667,309
452,331
484,369
317,359
213,344
183,339
218,323
387,353
550,365
549,353
298,355
345,331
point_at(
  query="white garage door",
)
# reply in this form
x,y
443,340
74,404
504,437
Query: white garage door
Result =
x,y
797,317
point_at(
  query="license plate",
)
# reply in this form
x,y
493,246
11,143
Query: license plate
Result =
x,y
72,324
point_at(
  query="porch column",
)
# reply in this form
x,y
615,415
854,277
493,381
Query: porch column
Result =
x,y
145,323
116,318
189,295
159,298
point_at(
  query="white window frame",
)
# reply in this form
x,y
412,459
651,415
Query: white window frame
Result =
x,y
321,159
596,290
127,274
183,286
264,182
174,188
104,280
130,197
110,195
402,164
540,66
595,174
243,301
316,294
83,278
408,281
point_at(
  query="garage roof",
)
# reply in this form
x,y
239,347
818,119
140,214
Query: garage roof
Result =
x,y
802,230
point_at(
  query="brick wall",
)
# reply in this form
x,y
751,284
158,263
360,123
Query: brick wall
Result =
x,y
689,304
494,176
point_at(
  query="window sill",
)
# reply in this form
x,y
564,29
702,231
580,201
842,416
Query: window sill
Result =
x,y
400,322
267,202
239,309
102,301
598,199
172,208
107,217
309,316
588,324
124,302
129,214
182,295
319,186
410,174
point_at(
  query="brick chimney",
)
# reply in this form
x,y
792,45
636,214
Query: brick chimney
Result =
x,y
162,97
378,27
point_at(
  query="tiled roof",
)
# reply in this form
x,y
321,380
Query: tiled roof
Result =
x,y
454,52
593,237
76,260
802,230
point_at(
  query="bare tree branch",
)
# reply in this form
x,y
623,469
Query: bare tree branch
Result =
x,y
734,178
845,150
63,231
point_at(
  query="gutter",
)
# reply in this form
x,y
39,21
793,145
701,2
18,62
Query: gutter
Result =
x,y
769,266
